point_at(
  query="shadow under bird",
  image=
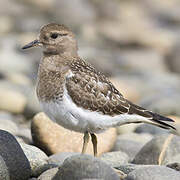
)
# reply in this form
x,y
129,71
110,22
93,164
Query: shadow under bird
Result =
x,y
77,96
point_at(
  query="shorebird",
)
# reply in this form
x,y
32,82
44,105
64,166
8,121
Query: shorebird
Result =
x,y
76,95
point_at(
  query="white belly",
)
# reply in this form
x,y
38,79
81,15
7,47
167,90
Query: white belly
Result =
x,y
75,118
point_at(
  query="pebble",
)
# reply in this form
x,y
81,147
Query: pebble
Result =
x,y
13,162
49,174
160,150
140,138
12,101
59,158
131,148
25,134
59,139
87,167
114,159
127,90
153,173
155,61
36,158
7,123
151,129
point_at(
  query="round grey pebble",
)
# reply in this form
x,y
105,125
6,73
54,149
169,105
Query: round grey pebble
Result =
x,y
127,168
37,159
150,153
153,173
115,159
49,174
13,161
59,158
7,123
128,146
85,167
151,129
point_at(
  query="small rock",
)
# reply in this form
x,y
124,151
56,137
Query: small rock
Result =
x,y
32,106
151,129
59,158
154,59
172,59
141,138
87,167
18,78
114,159
127,90
25,134
128,146
7,124
36,157
165,103
17,165
49,174
12,101
11,60
127,168
153,173
59,139
160,150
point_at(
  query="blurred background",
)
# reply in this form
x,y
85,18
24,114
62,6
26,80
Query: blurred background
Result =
x,y
136,43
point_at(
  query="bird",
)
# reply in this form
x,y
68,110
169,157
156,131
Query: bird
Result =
x,y
77,96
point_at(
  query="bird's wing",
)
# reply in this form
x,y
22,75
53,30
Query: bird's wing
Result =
x,y
91,90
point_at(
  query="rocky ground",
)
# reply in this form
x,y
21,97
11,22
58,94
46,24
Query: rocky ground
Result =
x,y
136,44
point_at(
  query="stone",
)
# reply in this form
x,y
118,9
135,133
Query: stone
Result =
x,y
59,139
25,134
128,91
142,138
18,78
12,101
155,60
127,168
160,150
62,11
6,24
49,174
153,172
17,164
85,167
59,158
32,106
151,129
36,158
7,123
131,148
165,102
172,58
114,159
11,59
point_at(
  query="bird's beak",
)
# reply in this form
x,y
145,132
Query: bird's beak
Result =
x,y
32,44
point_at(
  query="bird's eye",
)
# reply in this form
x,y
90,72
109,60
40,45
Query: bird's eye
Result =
x,y
54,35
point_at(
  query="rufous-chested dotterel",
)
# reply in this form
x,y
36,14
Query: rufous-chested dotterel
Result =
x,y
77,96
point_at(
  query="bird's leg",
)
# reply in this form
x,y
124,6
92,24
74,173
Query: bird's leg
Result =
x,y
85,142
94,142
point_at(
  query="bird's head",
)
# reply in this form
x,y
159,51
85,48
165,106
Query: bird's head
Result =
x,y
55,39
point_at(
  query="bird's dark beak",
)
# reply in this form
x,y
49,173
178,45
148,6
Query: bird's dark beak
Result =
x,y
31,44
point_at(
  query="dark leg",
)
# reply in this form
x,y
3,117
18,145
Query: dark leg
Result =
x,y
94,142
85,143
